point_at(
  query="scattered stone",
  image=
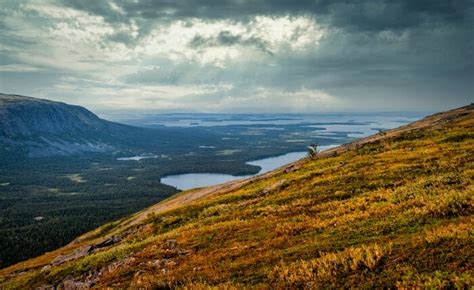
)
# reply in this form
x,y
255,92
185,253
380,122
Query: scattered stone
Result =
x,y
171,244
39,218
85,250
69,284
108,242
274,186
46,269
156,263
290,168
114,266
81,252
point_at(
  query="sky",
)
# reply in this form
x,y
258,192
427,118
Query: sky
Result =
x,y
240,56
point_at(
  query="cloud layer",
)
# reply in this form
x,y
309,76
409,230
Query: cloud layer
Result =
x,y
240,56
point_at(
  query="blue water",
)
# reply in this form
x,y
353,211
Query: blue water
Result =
x,y
194,180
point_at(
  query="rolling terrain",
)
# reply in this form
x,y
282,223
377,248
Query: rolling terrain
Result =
x,y
65,171
391,210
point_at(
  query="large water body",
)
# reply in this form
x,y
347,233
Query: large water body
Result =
x,y
365,122
329,126
194,180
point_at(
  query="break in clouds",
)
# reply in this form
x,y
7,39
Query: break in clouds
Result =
x,y
240,56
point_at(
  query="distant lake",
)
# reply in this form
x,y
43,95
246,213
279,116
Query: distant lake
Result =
x,y
194,180
136,158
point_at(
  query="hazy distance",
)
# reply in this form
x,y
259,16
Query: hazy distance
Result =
x,y
240,56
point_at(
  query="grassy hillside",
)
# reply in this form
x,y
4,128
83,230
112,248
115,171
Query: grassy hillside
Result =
x,y
394,209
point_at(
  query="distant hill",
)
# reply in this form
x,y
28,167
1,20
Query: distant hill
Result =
x,y
391,210
31,127
40,128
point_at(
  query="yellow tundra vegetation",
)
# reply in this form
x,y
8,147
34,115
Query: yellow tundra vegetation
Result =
x,y
393,210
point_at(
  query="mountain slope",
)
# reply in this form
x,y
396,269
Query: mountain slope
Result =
x,y
29,116
394,209
42,128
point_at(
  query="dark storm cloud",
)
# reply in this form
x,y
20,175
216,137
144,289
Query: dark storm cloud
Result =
x,y
102,8
226,38
122,37
390,54
362,14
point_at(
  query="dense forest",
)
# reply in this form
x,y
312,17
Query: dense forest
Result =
x,y
44,206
